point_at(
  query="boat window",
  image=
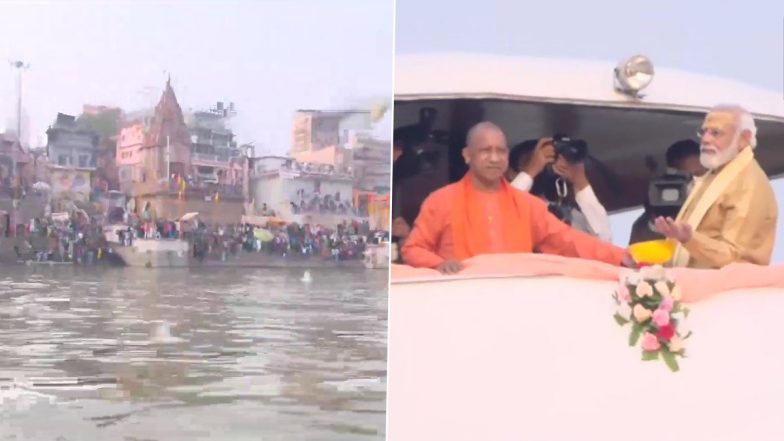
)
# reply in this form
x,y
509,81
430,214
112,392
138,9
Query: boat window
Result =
x,y
626,147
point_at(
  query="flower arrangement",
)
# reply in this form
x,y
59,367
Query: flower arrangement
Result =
x,y
650,302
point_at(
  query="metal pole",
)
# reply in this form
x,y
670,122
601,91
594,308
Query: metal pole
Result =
x,y
168,159
19,106
18,65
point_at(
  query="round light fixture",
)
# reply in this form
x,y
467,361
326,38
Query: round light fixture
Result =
x,y
634,74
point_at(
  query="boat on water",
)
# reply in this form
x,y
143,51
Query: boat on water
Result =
x,y
178,253
154,253
376,256
525,346
148,253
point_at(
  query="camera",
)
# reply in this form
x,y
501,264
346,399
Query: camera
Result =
x,y
422,146
574,151
420,159
668,193
562,212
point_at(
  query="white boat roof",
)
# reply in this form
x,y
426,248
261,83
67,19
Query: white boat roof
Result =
x,y
482,76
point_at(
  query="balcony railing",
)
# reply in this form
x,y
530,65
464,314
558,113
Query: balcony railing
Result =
x,y
193,189
206,157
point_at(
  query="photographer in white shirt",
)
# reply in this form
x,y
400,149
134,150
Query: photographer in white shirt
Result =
x,y
529,159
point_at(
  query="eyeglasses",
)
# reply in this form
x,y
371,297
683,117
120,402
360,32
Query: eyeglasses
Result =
x,y
715,133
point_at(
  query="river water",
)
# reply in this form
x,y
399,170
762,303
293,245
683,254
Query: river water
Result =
x,y
182,354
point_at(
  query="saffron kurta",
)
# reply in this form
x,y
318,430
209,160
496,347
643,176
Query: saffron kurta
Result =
x,y
459,222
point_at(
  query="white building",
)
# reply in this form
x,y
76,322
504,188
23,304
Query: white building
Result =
x,y
301,192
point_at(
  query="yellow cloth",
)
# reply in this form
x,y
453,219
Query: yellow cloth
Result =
x,y
733,213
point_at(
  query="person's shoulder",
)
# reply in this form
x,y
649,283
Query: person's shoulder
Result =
x,y
755,178
756,170
446,192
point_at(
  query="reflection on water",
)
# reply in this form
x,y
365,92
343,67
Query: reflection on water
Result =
x,y
141,354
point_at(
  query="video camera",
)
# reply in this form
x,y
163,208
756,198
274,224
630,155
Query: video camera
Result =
x,y
421,145
668,193
574,151
562,212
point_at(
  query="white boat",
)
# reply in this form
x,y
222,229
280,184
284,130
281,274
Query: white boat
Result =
x,y
502,354
149,253
535,97
154,253
538,356
376,256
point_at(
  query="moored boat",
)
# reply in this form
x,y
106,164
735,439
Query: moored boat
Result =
x,y
376,256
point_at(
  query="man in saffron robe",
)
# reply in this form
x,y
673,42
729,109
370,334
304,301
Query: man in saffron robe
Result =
x,y
484,214
730,215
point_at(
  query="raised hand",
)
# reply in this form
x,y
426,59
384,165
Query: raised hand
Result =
x,y
671,229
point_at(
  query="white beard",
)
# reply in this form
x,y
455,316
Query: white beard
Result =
x,y
712,161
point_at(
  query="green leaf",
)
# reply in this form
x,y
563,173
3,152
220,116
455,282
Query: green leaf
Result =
x,y
634,337
686,312
650,304
669,359
650,356
687,336
620,320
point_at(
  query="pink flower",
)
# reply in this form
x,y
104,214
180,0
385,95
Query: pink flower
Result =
x,y
661,317
623,293
666,304
650,343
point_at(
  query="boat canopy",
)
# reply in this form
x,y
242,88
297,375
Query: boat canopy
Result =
x,y
585,82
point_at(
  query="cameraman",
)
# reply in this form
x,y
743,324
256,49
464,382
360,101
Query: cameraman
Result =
x,y
527,162
400,228
681,157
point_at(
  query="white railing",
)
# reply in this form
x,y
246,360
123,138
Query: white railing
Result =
x,y
206,157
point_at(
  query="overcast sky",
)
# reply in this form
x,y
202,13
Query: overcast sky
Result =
x,y
269,57
738,40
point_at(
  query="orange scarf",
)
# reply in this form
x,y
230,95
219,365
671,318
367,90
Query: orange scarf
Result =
x,y
470,224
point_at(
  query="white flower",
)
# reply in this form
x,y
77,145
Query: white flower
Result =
x,y
644,289
662,288
683,327
676,293
676,344
625,311
629,277
641,313
655,272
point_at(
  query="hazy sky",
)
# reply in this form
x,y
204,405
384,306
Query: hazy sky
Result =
x,y
739,40
269,57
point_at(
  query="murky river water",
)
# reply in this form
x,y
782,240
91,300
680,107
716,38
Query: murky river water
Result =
x,y
139,354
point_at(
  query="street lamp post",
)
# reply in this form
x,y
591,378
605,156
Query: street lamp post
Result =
x,y
19,66
248,154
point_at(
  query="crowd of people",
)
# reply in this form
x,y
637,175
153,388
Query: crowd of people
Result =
x,y
76,239
347,241
81,239
317,203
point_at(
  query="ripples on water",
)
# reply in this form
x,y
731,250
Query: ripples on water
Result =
x,y
235,354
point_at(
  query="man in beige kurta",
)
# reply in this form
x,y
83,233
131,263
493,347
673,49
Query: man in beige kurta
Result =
x,y
730,216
